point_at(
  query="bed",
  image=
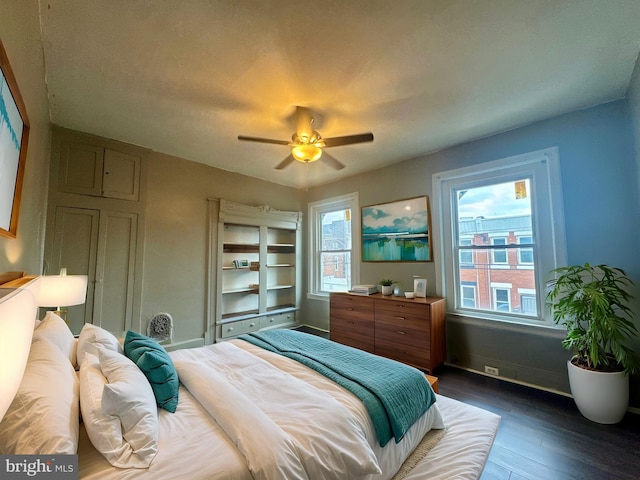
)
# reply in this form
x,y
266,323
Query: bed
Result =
x,y
229,420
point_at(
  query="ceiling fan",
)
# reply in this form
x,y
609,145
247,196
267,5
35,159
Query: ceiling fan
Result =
x,y
307,144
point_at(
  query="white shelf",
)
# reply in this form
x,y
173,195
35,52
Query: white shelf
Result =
x,y
241,290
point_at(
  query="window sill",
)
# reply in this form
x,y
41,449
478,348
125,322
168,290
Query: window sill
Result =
x,y
323,297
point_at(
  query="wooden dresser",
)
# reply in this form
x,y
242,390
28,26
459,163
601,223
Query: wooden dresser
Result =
x,y
408,330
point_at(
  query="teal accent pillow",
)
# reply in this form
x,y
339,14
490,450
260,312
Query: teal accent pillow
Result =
x,y
155,363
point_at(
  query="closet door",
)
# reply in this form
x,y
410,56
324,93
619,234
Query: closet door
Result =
x,y
115,268
102,245
75,246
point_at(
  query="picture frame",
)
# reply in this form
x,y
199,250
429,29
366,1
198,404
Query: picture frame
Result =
x,y
14,136
397,231
420,287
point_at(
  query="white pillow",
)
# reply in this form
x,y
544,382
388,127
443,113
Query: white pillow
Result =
x,y
104,431
91,336
129,396
56,330
44,416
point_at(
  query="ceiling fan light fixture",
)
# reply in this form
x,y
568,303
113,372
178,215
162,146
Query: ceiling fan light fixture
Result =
x,y
306,153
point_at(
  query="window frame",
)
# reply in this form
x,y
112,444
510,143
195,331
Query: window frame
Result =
x,y
542,167
315,212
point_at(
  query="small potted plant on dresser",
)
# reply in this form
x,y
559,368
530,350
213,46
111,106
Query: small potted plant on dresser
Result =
x,y
592,303
386,286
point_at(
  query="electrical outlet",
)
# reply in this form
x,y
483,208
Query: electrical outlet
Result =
x,y
491,370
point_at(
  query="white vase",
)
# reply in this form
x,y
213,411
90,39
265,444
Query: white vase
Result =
x,y
387,289
602,397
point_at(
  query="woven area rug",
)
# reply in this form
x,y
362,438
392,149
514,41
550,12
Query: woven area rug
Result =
x,y
426,444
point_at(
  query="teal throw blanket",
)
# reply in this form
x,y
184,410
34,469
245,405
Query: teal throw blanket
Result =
x,y
394,394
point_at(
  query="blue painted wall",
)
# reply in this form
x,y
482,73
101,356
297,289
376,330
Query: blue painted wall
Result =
x,y
602,213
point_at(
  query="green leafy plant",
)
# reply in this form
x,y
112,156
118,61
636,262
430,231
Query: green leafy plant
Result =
x,y
592,303
386,282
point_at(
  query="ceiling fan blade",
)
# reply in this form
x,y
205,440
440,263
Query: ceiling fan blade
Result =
x,y
263,140
348,139
331,161
285,163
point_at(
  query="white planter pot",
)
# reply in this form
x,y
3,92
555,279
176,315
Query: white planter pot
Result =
x,y
602,397
387,289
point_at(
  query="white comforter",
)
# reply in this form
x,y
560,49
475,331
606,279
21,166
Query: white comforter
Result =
x,y
294,431
231,389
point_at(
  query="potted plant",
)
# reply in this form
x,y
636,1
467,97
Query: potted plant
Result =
x,y
387,286
591,302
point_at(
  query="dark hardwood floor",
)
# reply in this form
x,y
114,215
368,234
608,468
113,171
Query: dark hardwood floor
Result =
x,y
542,435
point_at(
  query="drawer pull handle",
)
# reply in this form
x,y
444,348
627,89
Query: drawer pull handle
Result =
x,y
400,318
350,309
402,333
252,325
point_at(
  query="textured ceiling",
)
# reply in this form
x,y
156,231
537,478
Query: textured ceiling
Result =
x,y
187,77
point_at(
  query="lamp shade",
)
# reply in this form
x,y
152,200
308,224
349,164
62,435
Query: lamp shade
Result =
x,y
306,153
18,312
62,290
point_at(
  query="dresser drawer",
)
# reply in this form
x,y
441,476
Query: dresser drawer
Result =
x,y
402,308
232,329
418,357
415,334
361,307
351,321
404,343
279,319
352,339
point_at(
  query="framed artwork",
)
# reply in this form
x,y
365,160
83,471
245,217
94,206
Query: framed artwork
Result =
x,y
420,287
397,231
14,135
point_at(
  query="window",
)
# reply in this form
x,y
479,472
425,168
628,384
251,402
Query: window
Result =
x,y
332,251
468,293
466,256
528,303
499,254
511,209
525,254
501,299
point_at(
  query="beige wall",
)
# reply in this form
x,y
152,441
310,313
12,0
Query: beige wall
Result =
x,y
176,234
20,34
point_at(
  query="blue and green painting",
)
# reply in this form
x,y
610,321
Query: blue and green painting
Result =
x,y
396,232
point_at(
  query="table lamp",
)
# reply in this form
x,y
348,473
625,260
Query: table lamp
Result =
x,y
62,291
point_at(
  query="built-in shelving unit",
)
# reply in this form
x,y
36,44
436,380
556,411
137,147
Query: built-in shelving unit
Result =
x,y
258,251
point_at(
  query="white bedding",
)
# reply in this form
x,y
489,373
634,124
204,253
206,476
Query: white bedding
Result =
x,y
192,444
